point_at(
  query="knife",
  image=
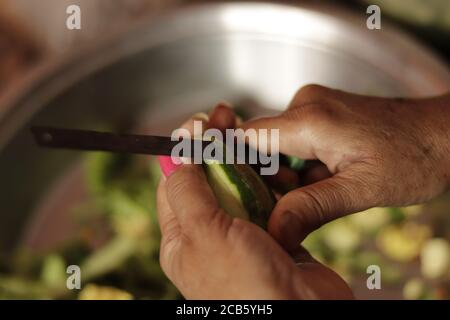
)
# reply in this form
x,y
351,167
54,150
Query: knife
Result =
x,y
88,140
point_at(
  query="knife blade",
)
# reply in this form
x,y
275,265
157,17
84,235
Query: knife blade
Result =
x,y
89,140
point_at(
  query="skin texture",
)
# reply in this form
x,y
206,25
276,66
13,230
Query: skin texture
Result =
x,y
374,152
209,255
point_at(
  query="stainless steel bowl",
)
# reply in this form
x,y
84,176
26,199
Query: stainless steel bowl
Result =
x,y
255,55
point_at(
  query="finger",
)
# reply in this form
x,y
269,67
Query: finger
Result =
x,y
190,196
314,113
222,117
188,192
303,210
294,138
194,128
318,281
167,220
166,217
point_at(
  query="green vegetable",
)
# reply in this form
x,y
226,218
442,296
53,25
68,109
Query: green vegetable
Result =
x,y
397,215
109,257
240,191
53,272
295,163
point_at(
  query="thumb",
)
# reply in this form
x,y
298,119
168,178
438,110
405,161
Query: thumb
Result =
x,y
303,210
190,197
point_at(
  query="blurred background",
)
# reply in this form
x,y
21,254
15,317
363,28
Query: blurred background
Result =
x,y
142,66
34,30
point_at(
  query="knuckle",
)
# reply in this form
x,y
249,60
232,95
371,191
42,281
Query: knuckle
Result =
x,y
171,254
238,231
169,230
313,113
219,223
166,255
311,91
215,226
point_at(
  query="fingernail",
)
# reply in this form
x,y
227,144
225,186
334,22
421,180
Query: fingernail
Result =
x,y
167,165
290,230
201,116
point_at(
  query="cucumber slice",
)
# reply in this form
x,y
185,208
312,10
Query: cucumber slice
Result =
x,y
226,190
240,191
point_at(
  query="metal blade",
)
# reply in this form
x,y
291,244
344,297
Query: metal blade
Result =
x,y
104,141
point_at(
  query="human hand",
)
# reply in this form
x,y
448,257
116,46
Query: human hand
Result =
x,y
375,151
208,254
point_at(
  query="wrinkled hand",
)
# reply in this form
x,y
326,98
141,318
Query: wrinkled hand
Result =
x,y
376,151
209,255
